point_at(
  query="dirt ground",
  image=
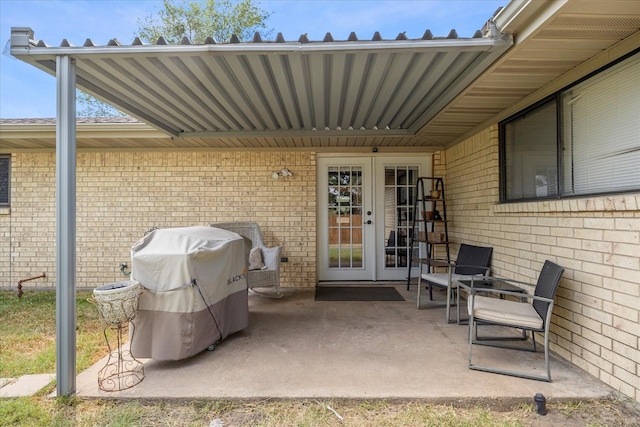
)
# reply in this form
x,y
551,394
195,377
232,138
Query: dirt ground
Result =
x,y
587,414
613,412
357,413
42,410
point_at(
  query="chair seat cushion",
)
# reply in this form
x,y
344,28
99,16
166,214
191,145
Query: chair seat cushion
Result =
x,y
442,279
518,314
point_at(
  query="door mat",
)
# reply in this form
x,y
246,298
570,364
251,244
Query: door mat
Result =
x,y
357,293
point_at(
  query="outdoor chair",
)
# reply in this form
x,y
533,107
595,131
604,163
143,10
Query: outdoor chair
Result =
x,y
395,248
526,313
472,261
264,262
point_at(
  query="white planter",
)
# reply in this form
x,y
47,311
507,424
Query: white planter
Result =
x,y
117,302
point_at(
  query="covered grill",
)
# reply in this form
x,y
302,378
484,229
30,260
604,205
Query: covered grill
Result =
x,y
195,281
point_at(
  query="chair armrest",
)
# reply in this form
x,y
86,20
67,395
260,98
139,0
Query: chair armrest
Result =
x,y
437,262
511,293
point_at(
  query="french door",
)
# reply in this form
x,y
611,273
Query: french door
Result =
x,y
364,211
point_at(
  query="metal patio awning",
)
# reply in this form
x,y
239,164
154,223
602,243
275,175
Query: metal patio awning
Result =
x,y
372,88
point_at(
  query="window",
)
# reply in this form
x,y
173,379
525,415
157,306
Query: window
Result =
x,y
583,140
531,153
5,163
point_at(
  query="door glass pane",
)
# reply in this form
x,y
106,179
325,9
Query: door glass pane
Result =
x,y
345,217
398,211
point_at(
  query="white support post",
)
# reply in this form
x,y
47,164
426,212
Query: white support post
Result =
x,y
66,227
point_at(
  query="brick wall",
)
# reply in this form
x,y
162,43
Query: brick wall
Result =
x,y
5,241
31,223
121,195
596,320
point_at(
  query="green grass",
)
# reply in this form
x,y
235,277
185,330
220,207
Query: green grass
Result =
x,y
22,412
27,334
28,331
36,411
346,255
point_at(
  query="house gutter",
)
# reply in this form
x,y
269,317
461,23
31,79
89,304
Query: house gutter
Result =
x,y
89,130
523,17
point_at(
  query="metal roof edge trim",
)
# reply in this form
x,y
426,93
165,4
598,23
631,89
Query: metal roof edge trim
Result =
x,y
355,133
86,130
327,151
522,17
21,47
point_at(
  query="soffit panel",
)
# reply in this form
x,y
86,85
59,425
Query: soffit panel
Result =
x,y
580,31
588,47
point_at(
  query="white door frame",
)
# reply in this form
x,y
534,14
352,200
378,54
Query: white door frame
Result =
x,y
423,163
373,268
367,270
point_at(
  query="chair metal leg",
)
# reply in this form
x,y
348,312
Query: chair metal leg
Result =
x,y
419,286
473,332
523,337
448,301
511,373
451,298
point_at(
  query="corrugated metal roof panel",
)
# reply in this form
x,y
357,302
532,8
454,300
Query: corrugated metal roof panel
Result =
x,y
380,87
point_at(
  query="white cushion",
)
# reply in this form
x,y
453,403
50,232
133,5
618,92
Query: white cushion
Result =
x,y
255,259
518,314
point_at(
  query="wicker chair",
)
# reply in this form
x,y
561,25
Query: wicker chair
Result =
x,y
269,276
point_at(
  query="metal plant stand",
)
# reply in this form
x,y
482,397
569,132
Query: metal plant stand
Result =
x,y
117,305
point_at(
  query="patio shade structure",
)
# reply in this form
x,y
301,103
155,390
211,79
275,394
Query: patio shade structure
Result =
x,y
389,87
331,95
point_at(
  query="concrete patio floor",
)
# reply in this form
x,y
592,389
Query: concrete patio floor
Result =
x,y
296,347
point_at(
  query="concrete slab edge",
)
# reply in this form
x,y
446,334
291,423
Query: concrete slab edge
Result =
x,y
26,385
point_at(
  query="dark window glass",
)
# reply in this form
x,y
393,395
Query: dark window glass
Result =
x,y
5,163
531,153
585,139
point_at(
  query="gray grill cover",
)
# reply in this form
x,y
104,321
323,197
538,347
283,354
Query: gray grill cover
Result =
x,y
195,281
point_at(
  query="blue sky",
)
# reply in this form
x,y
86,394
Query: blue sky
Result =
x,y
26,92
